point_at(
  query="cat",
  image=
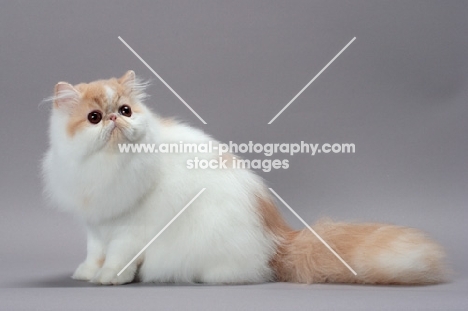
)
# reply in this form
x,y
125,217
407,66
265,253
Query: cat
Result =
x,y
231,234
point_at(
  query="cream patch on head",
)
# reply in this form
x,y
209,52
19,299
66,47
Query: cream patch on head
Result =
x,y
103,96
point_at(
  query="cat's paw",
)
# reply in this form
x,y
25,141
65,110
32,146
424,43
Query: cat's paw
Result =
x,y
85,271
108,276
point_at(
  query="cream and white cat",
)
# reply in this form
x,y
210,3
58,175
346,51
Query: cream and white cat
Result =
x,y
232,233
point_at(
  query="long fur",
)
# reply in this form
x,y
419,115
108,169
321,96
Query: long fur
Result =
x,y
232,233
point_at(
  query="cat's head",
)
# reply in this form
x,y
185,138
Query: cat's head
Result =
x,y
99,115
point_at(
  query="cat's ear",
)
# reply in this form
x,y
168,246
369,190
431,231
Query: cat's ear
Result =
x,y
133,86
128,79
65,95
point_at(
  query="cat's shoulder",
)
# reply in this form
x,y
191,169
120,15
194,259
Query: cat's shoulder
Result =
x,y
174,130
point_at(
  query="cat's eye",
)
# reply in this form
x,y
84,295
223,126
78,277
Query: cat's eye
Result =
x,y
125,111
95,117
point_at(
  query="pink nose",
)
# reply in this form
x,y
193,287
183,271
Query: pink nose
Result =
x,y
113,117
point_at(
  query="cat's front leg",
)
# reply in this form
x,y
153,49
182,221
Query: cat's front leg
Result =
x,y
119,253
94,259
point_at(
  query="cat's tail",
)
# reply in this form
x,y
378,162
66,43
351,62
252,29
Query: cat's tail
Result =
x,y
378,253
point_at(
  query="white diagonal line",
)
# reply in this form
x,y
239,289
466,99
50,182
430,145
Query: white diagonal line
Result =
x,y
160,232
313,79
162,80
315,233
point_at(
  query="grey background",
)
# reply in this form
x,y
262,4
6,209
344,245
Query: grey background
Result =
x,y
399,92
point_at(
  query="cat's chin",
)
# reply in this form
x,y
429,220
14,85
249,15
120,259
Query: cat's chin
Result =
x,y
116,135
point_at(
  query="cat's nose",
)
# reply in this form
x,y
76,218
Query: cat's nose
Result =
x,y
113,117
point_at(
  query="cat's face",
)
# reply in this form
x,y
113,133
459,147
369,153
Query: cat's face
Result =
x,y
99,114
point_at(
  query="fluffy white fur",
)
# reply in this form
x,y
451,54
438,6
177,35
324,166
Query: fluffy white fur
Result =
x,y
125,199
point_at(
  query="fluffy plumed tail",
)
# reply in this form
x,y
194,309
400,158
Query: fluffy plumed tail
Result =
x,y
379,253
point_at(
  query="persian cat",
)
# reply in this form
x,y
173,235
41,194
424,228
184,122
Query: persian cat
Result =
x,y
232,233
